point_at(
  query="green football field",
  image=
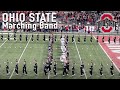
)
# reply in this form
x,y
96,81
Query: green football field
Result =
x,y
11,50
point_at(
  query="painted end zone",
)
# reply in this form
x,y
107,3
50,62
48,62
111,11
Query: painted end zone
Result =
x,y
112,49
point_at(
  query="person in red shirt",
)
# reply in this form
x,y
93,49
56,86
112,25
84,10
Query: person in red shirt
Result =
x,y
77,28
67,28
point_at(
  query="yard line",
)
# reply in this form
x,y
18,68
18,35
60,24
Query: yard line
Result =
x,y
80,58
49,75
108,56
21,56
113,46
5,41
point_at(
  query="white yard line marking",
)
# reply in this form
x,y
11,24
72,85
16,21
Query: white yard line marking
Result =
x,y
108,56
118,57
49,75
20,57
5,41
80,58
113,46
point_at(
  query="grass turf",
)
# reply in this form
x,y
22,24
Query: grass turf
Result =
x,y
88,51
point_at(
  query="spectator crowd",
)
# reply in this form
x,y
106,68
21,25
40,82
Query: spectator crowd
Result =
x,y
72,20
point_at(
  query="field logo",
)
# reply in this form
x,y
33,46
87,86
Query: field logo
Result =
x,y
106,23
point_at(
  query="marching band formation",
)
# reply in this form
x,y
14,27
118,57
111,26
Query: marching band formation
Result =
x,y
64,58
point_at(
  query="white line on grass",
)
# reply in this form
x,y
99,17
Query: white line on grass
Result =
x,y
49,75
20,57
80,58
108,56
5,41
